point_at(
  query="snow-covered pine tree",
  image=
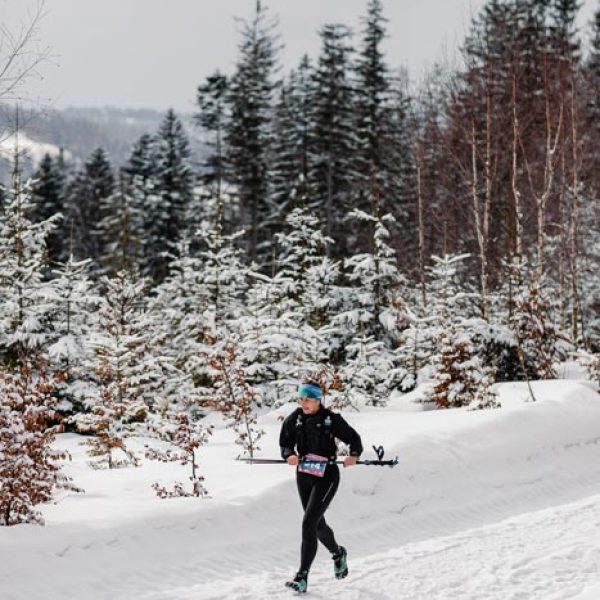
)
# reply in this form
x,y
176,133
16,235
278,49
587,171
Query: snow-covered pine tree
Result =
x,y
224,275
283,334
128,366
320,293
292,139
122,227
171,198
374,319
84,205
48,200
372,89
213,117
302,247
331,174
272,342
139,183
365,373
459,375
248,133
142,160
460,379
184,435
382,148
590,361
416,346
563,27
589,244
179,306
74,302
196,303
30,470
25,305
536,331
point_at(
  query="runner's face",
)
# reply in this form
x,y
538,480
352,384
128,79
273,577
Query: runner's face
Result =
x,y
310,406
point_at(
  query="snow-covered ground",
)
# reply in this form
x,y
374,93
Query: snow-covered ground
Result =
x,y
501,504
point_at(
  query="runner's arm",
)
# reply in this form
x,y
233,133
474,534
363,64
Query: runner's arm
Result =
x,y
287,437
348,435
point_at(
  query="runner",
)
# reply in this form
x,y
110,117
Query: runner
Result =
x,y
307,441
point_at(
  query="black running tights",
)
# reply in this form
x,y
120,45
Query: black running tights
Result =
x,y
316,494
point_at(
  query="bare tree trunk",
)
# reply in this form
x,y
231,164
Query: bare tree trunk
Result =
x,y
488,200
515,189
479,227
219,224
577,313
329,204
420,212
541,196
562,244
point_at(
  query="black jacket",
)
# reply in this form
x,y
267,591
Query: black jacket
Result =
x,y
315,434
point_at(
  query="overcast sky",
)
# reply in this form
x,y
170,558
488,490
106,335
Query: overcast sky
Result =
x,y
154,53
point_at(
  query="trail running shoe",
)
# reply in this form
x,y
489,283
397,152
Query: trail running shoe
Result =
x,y
340,563
299,583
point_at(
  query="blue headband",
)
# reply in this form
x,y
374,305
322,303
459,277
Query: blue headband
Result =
x,y
308,390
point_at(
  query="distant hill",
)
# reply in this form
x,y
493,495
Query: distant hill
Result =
x,y
78,131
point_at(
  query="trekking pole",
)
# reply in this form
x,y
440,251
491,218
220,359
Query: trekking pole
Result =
x,y
369,463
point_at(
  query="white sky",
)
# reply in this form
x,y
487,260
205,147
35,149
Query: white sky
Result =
x,y
154,53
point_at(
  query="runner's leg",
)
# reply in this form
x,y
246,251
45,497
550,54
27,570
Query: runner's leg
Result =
x,y
313,523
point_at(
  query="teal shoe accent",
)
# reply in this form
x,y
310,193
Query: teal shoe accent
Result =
x,y
340,563
299,583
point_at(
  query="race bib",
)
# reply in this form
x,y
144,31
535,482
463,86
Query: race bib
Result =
x,y
313,464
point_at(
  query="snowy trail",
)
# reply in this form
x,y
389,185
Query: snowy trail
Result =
x,y
519,558
428,521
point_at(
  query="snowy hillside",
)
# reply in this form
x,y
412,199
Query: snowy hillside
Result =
x,y
34,150
497,504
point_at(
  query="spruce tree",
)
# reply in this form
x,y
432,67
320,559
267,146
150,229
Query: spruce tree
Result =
x,y
129,369
213,118
25,306
74,301
282,335
122,227
224,275
171,198
292,140
138,181
459,376
563,15
374,316
377,283
86,194
48,199
179,305
331,166
373,112
537,334
248,135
